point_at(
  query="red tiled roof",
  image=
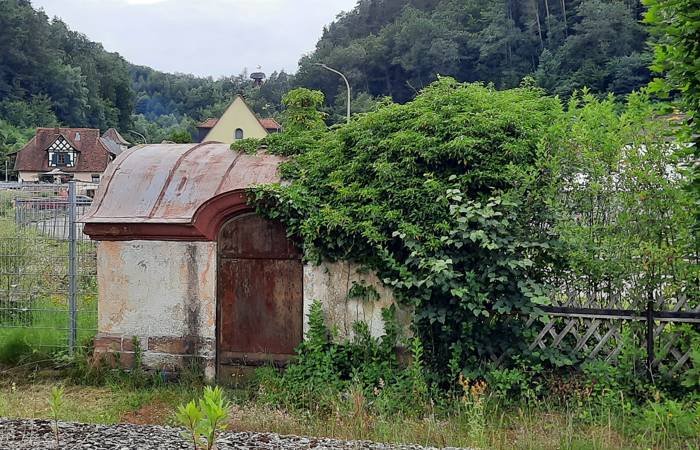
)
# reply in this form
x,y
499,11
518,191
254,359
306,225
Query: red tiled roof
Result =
x,y
115,136
92,156
270,124
209,123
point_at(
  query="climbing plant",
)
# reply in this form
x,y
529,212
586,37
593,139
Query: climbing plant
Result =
x,y
303,126
441,197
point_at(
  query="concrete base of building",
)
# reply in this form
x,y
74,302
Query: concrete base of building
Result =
x,y
167,354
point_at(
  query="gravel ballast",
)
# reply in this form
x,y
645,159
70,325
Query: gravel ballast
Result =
x,y
38,434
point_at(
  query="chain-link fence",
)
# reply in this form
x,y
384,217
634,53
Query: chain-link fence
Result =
x,y
48,288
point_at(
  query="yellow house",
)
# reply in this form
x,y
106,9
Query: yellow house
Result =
x,y
237,122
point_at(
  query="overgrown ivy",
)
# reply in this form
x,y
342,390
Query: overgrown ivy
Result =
x,y
477,205
440,196
303,126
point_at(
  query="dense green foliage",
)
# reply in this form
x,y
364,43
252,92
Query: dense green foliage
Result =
x,y
676,25
325,367
160,94
362,383
622,210
477,205
180,137
11,139
438,196
396,47
623,213
49,74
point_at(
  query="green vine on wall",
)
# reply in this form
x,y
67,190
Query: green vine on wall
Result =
x,y
440,197
476,205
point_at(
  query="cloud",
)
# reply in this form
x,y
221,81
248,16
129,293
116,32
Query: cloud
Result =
x,y
203,37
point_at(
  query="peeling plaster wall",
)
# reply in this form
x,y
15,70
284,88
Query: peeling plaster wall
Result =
x,y
164,292
330,283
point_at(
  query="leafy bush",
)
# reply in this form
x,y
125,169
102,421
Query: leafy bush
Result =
x,y
440,197
303,126
247,145
180,136
507,383
325,372
665,420
15,348
601,377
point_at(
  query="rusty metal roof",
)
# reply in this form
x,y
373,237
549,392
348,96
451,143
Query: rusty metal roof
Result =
x,y
167,183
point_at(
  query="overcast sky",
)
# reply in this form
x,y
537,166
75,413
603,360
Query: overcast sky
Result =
x,y
203,37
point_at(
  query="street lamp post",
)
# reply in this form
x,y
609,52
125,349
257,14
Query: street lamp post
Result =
x,y
344,79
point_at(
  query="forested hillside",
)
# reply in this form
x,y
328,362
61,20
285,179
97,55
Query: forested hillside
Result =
x,y
51,75
166,101
396,47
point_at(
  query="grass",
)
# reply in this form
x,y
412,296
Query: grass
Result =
x,y
537,426
46,332
34,314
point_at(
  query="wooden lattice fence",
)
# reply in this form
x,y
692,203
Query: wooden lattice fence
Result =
x,y
585,326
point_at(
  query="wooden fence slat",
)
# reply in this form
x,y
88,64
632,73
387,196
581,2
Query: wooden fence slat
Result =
x,y
681,361
595,323
602,341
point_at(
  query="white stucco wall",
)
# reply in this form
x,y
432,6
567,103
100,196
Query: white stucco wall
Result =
x,y
164,292
27,177
157,290
330,283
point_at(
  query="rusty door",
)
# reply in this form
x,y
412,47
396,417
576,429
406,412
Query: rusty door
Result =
x,y
260,302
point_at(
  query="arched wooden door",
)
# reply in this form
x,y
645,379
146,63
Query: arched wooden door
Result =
x,y
260,302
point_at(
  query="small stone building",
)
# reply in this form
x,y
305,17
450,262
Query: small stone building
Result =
x,y
185,265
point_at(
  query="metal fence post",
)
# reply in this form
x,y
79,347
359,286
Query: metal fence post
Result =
x,y
72,268
650,336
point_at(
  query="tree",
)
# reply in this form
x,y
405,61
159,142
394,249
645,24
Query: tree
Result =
x,y
302,113
676,26
624,217
568,43
604,52
180,137
11,140
43,63
439,196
